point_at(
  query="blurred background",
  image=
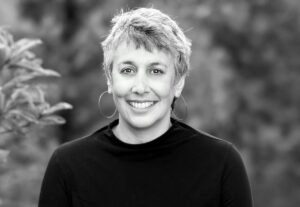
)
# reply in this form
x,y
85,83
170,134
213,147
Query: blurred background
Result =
x,y
244,85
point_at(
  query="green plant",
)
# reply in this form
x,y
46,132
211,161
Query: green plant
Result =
x,y
22,98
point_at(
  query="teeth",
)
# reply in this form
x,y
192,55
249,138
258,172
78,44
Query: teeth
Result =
x,y
141,105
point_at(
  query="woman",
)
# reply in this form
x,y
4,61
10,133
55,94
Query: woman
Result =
x,y
145,157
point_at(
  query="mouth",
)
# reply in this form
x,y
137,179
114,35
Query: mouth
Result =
x,y
141,104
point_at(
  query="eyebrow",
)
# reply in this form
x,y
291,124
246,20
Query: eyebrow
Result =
x,y
158,63
128,62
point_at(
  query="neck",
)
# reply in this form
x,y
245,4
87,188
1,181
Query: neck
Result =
x,y
133,135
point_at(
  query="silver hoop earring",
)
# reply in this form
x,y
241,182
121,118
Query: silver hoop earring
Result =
x,y
185,109
100,109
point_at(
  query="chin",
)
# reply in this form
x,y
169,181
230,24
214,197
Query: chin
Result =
x,y
142,122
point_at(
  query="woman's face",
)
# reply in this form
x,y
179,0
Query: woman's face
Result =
x,y
143,85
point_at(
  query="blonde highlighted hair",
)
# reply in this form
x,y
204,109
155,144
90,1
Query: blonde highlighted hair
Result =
x,y
148,28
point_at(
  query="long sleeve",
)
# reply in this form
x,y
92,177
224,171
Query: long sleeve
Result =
x,y
235,184
54,190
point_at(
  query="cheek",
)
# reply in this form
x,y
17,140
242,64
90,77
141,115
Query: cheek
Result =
x,y
166,86
120,86
163,89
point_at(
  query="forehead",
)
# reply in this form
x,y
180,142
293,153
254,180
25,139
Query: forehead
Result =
x,y
128,51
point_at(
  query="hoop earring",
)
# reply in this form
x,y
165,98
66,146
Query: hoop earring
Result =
x,y
100,109
185,108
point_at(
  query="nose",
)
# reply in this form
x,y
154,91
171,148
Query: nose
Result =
x,y
140,85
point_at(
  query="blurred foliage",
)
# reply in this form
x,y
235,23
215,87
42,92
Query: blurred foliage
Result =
x,y
22,98
244,84
261,40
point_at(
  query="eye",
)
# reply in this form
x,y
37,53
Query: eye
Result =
x,y
127,70
156,71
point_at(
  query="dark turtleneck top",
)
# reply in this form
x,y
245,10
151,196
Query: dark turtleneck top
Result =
x,y
183,167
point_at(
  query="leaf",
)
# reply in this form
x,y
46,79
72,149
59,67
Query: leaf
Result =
x,y
2,39
4,51
20,47
34,94
57,107
48,72
23,94
35,66
23,78
3,155
5,37
21,98
17,80
29,65
2,100
37,61
29,117
53,119
40,96
24,44
42,107
16,126
30,56
30,99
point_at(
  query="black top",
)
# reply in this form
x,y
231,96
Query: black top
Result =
x,y
183,167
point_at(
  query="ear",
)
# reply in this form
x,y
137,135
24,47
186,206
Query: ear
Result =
x,y
179,86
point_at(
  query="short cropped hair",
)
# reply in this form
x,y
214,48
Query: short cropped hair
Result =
x,y
150,28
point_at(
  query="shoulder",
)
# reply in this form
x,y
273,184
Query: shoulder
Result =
x,y
216,149
216,154
79,147
206,142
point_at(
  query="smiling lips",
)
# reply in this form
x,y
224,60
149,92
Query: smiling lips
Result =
x,y
141,104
